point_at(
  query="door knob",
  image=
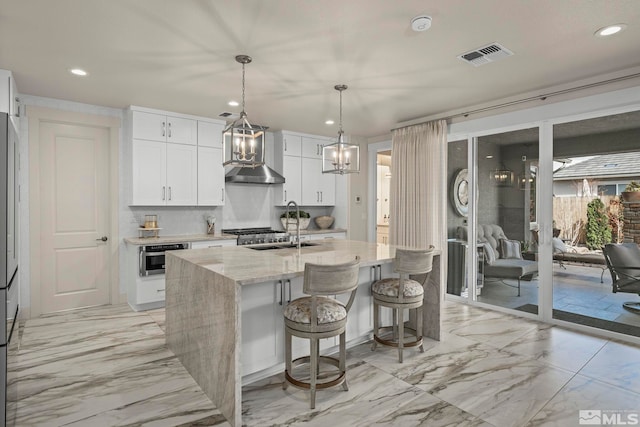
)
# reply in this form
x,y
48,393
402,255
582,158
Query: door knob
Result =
x,y
103,239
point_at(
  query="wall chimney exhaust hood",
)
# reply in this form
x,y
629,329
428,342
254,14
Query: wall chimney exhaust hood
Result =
x,y
258,175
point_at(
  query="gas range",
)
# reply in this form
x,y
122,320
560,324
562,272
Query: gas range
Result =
x,y
252,236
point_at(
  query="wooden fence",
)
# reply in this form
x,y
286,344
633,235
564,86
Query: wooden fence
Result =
x,y
570,216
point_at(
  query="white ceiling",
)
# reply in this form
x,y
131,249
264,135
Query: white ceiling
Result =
x,y
179,55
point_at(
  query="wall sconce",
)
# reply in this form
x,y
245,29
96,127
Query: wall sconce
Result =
x,y
524,181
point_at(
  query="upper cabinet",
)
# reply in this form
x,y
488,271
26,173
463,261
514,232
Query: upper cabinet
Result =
x,y
9,101
299,159
159,127
210,169
312,147
176,160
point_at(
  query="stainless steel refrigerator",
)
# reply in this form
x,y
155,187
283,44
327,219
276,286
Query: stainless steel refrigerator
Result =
x,y
8,266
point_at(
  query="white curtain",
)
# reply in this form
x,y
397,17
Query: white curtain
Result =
x,y
418,194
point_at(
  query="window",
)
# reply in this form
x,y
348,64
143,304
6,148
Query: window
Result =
x,y
607,190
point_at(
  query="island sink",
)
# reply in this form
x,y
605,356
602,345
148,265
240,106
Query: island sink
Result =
x,y
282,246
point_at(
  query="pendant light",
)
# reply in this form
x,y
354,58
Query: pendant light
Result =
x,y
340,157
243,143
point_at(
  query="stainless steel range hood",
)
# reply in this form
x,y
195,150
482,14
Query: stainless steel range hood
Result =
x,y
258,175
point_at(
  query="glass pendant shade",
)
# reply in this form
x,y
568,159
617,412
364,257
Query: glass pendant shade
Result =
x,y
340,157
242,142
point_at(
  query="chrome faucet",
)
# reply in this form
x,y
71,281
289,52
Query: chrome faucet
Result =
x,y
297,221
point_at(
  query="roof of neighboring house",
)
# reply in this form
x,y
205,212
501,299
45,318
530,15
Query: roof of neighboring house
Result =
x,y
623,165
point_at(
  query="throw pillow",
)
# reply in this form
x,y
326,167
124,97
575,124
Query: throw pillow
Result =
x,y
489,253
510,249
558,245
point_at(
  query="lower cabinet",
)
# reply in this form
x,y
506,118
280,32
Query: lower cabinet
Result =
x,y
213,243
263,320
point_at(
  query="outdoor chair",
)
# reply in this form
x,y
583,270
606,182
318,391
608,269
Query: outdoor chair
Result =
x,y
623,261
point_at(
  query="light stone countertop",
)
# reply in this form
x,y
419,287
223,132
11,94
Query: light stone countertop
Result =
x,y
209,237
247,266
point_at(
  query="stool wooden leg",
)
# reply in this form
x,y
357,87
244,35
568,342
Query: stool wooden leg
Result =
x,y
419,315
376,323
343,358
314,370
394,315
287,356
400,332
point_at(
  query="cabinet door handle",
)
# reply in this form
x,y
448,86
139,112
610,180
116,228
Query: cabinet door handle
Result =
x,y
281,285
164,126
163,192
285,195
321,197
169,129
285,144
222,194
169,193
289,283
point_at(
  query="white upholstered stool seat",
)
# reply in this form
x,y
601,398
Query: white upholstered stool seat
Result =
x,y
399,294
320,316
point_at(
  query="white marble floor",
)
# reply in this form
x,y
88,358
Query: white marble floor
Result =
x,y
108,366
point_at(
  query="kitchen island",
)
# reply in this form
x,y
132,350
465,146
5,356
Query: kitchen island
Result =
x,y
224,309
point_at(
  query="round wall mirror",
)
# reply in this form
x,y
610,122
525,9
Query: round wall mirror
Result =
x,y
460,192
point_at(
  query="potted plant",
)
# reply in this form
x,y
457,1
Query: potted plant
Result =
x,y
631,192
289,224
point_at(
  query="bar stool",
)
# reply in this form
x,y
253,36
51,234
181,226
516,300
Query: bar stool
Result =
x,y
320,316
399,294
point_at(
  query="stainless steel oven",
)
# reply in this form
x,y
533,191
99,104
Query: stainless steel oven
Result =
x,y
152,257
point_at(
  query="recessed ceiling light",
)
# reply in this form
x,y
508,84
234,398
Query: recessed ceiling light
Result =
x,y
78,72
610,30
234,103
329,122
489,156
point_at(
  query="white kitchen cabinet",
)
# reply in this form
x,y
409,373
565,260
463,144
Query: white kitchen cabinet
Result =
x,y
291,145
312,147
210,134
159,127
213,243
287,162
299,159
321,236
318,189
164,174
263,319
9,101
211,185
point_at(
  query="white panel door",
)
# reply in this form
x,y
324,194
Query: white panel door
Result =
x,y
291,145
327,189
210,177
182,175
149,173
74,195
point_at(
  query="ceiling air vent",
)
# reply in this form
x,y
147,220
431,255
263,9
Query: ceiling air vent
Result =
x,y
486,54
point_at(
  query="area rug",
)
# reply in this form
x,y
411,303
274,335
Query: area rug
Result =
x,y
586,320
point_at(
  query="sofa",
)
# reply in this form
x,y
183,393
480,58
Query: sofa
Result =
x,y
502,256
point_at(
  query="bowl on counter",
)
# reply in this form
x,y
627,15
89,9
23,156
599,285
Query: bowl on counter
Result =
x,y
323,222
